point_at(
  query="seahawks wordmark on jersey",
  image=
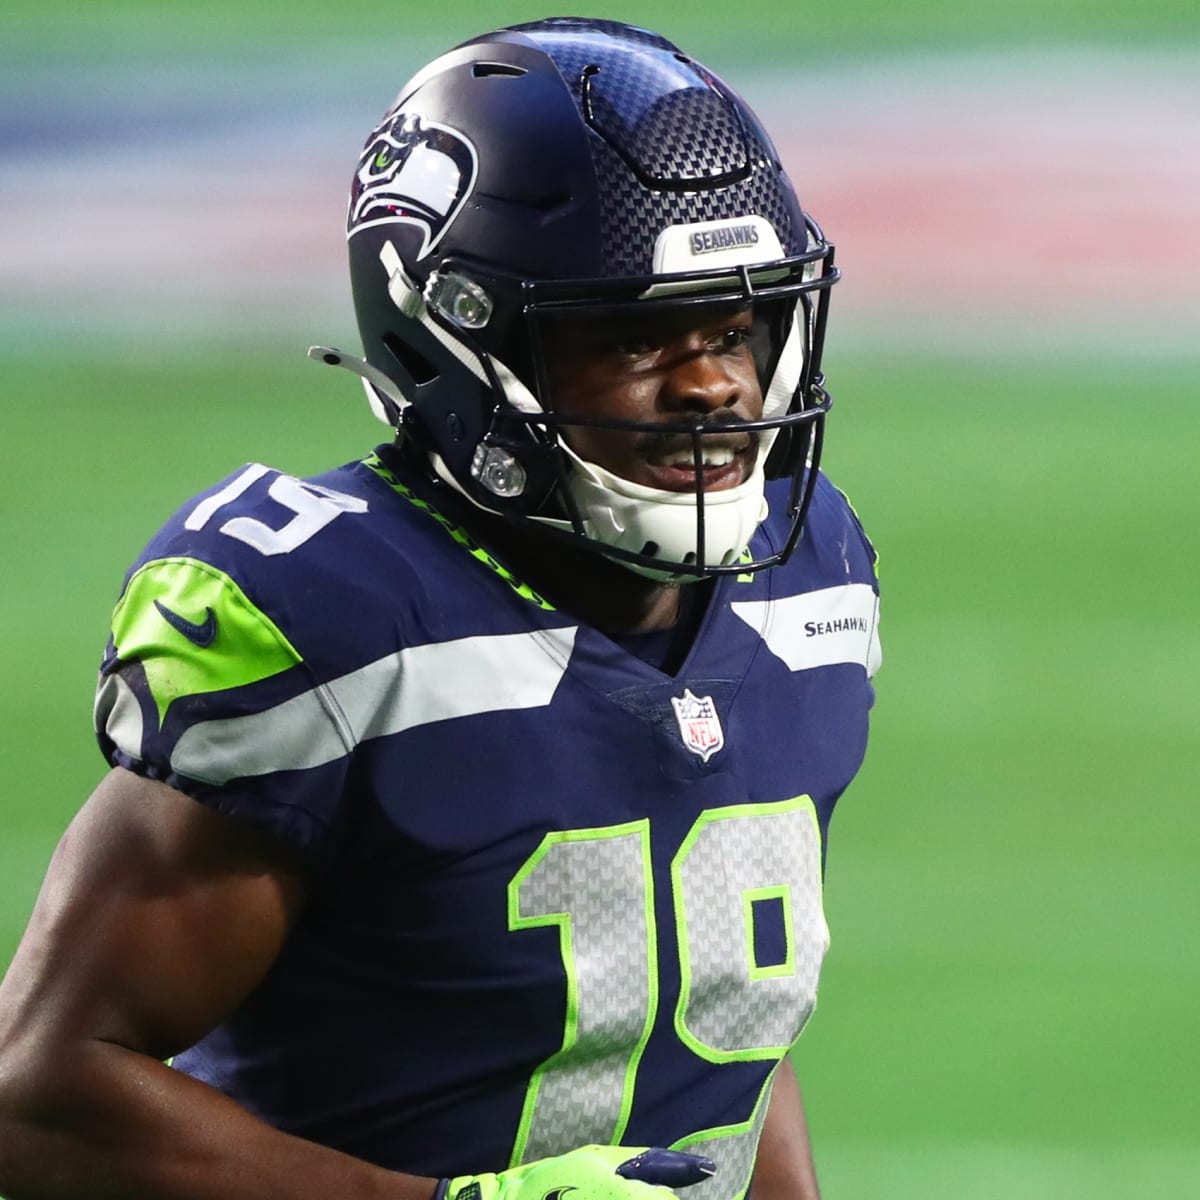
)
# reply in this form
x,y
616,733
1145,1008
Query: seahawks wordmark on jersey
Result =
x,y
559,897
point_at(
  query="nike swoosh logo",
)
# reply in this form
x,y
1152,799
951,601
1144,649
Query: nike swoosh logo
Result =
x,y
557,1193
202,634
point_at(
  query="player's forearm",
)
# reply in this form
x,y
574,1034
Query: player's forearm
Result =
x,y
109,1124
784,1167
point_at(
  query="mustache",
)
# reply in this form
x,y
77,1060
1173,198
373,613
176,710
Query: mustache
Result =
x,y
711,429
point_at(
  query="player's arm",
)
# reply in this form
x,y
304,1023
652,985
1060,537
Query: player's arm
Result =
x,y
784,1168
156,918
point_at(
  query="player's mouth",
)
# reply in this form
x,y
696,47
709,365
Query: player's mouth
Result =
x,y
726,460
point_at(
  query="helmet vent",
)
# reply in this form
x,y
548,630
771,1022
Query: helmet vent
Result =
x,y
671,136
419,369
482,70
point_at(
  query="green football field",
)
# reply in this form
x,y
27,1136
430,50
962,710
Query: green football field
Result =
x,y
1009,1005
762,29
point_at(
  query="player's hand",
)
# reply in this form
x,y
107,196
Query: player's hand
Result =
x,y
589,1173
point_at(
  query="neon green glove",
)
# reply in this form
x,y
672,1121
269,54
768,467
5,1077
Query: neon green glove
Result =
x,y
590,1173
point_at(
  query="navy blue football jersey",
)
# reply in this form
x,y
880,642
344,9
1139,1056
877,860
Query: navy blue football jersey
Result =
x,y
559,897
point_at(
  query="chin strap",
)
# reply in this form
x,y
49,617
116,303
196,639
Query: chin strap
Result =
x,y
375,382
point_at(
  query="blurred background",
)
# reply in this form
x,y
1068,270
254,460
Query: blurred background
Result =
x,y
1009,1006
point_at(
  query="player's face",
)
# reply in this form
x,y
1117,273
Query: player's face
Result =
x,y
660,368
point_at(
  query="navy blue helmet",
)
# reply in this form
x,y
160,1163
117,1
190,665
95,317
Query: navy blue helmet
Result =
x,y
565,169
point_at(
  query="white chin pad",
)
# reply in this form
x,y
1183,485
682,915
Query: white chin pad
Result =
x,y
631,516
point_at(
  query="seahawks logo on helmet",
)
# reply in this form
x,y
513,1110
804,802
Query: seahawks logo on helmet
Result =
x,y
412,172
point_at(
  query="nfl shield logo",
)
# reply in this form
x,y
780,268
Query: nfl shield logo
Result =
x,y
699,724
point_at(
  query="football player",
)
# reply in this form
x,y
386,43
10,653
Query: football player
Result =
x,y
465,828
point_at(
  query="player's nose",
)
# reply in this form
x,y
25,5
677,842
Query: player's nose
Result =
x,y
698,379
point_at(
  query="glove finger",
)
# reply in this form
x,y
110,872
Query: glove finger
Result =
x,y
667,1168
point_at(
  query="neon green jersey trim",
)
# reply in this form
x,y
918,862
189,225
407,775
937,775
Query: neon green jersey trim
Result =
x,y
374,463
783,893
231,642
850,506
682,1030
574,1074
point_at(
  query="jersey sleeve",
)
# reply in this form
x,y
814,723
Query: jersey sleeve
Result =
x,y
871,556
201,687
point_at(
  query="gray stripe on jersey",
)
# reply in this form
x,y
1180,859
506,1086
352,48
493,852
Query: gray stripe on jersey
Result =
x,y
118,714
818,629
412,687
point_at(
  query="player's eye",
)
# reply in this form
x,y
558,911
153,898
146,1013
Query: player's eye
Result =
x,y
731,339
